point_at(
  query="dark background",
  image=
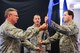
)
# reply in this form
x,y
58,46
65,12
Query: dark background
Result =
x,y
27,9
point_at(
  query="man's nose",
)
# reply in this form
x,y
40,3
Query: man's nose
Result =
x,y
17,17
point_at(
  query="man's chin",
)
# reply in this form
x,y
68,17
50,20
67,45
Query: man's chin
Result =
x,y
38,24
15,22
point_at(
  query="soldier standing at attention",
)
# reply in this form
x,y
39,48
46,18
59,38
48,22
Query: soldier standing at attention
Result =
x,y
67,33
39,37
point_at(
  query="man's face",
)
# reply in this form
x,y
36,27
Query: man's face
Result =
x,y
66,16
13,16
37,20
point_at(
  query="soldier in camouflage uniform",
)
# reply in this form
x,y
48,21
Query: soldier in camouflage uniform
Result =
x,y
36,39
67,33
10,36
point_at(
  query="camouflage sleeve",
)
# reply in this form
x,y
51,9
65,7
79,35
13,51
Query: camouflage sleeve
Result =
x,y
32,32
48,46
67,30
18,33
47,33
28,44
52,38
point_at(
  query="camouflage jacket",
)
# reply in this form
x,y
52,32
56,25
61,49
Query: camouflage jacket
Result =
x,y
35,40
67,34
10,37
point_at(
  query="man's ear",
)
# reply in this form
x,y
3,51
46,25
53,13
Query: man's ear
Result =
x,y
33,19
71,16
9,15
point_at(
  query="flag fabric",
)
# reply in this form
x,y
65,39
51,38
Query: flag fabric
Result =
x,y
50,7
65,6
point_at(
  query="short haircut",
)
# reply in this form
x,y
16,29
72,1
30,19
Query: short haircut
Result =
x,y
9,10
70,13
36,15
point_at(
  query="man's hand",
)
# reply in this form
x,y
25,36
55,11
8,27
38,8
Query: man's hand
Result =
x,y
46,51
38,49
42,43
43,27
46,19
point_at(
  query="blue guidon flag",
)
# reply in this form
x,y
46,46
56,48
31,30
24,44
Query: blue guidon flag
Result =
x,y
50,7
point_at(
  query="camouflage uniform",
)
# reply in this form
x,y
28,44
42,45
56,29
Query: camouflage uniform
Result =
x,y
35,40
67,35
10,37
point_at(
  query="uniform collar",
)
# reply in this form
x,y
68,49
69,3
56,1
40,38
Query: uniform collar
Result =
x,y
69,23
8,22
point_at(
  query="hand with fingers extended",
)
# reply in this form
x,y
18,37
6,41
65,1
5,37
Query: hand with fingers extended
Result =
x,y
42,43
38,48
